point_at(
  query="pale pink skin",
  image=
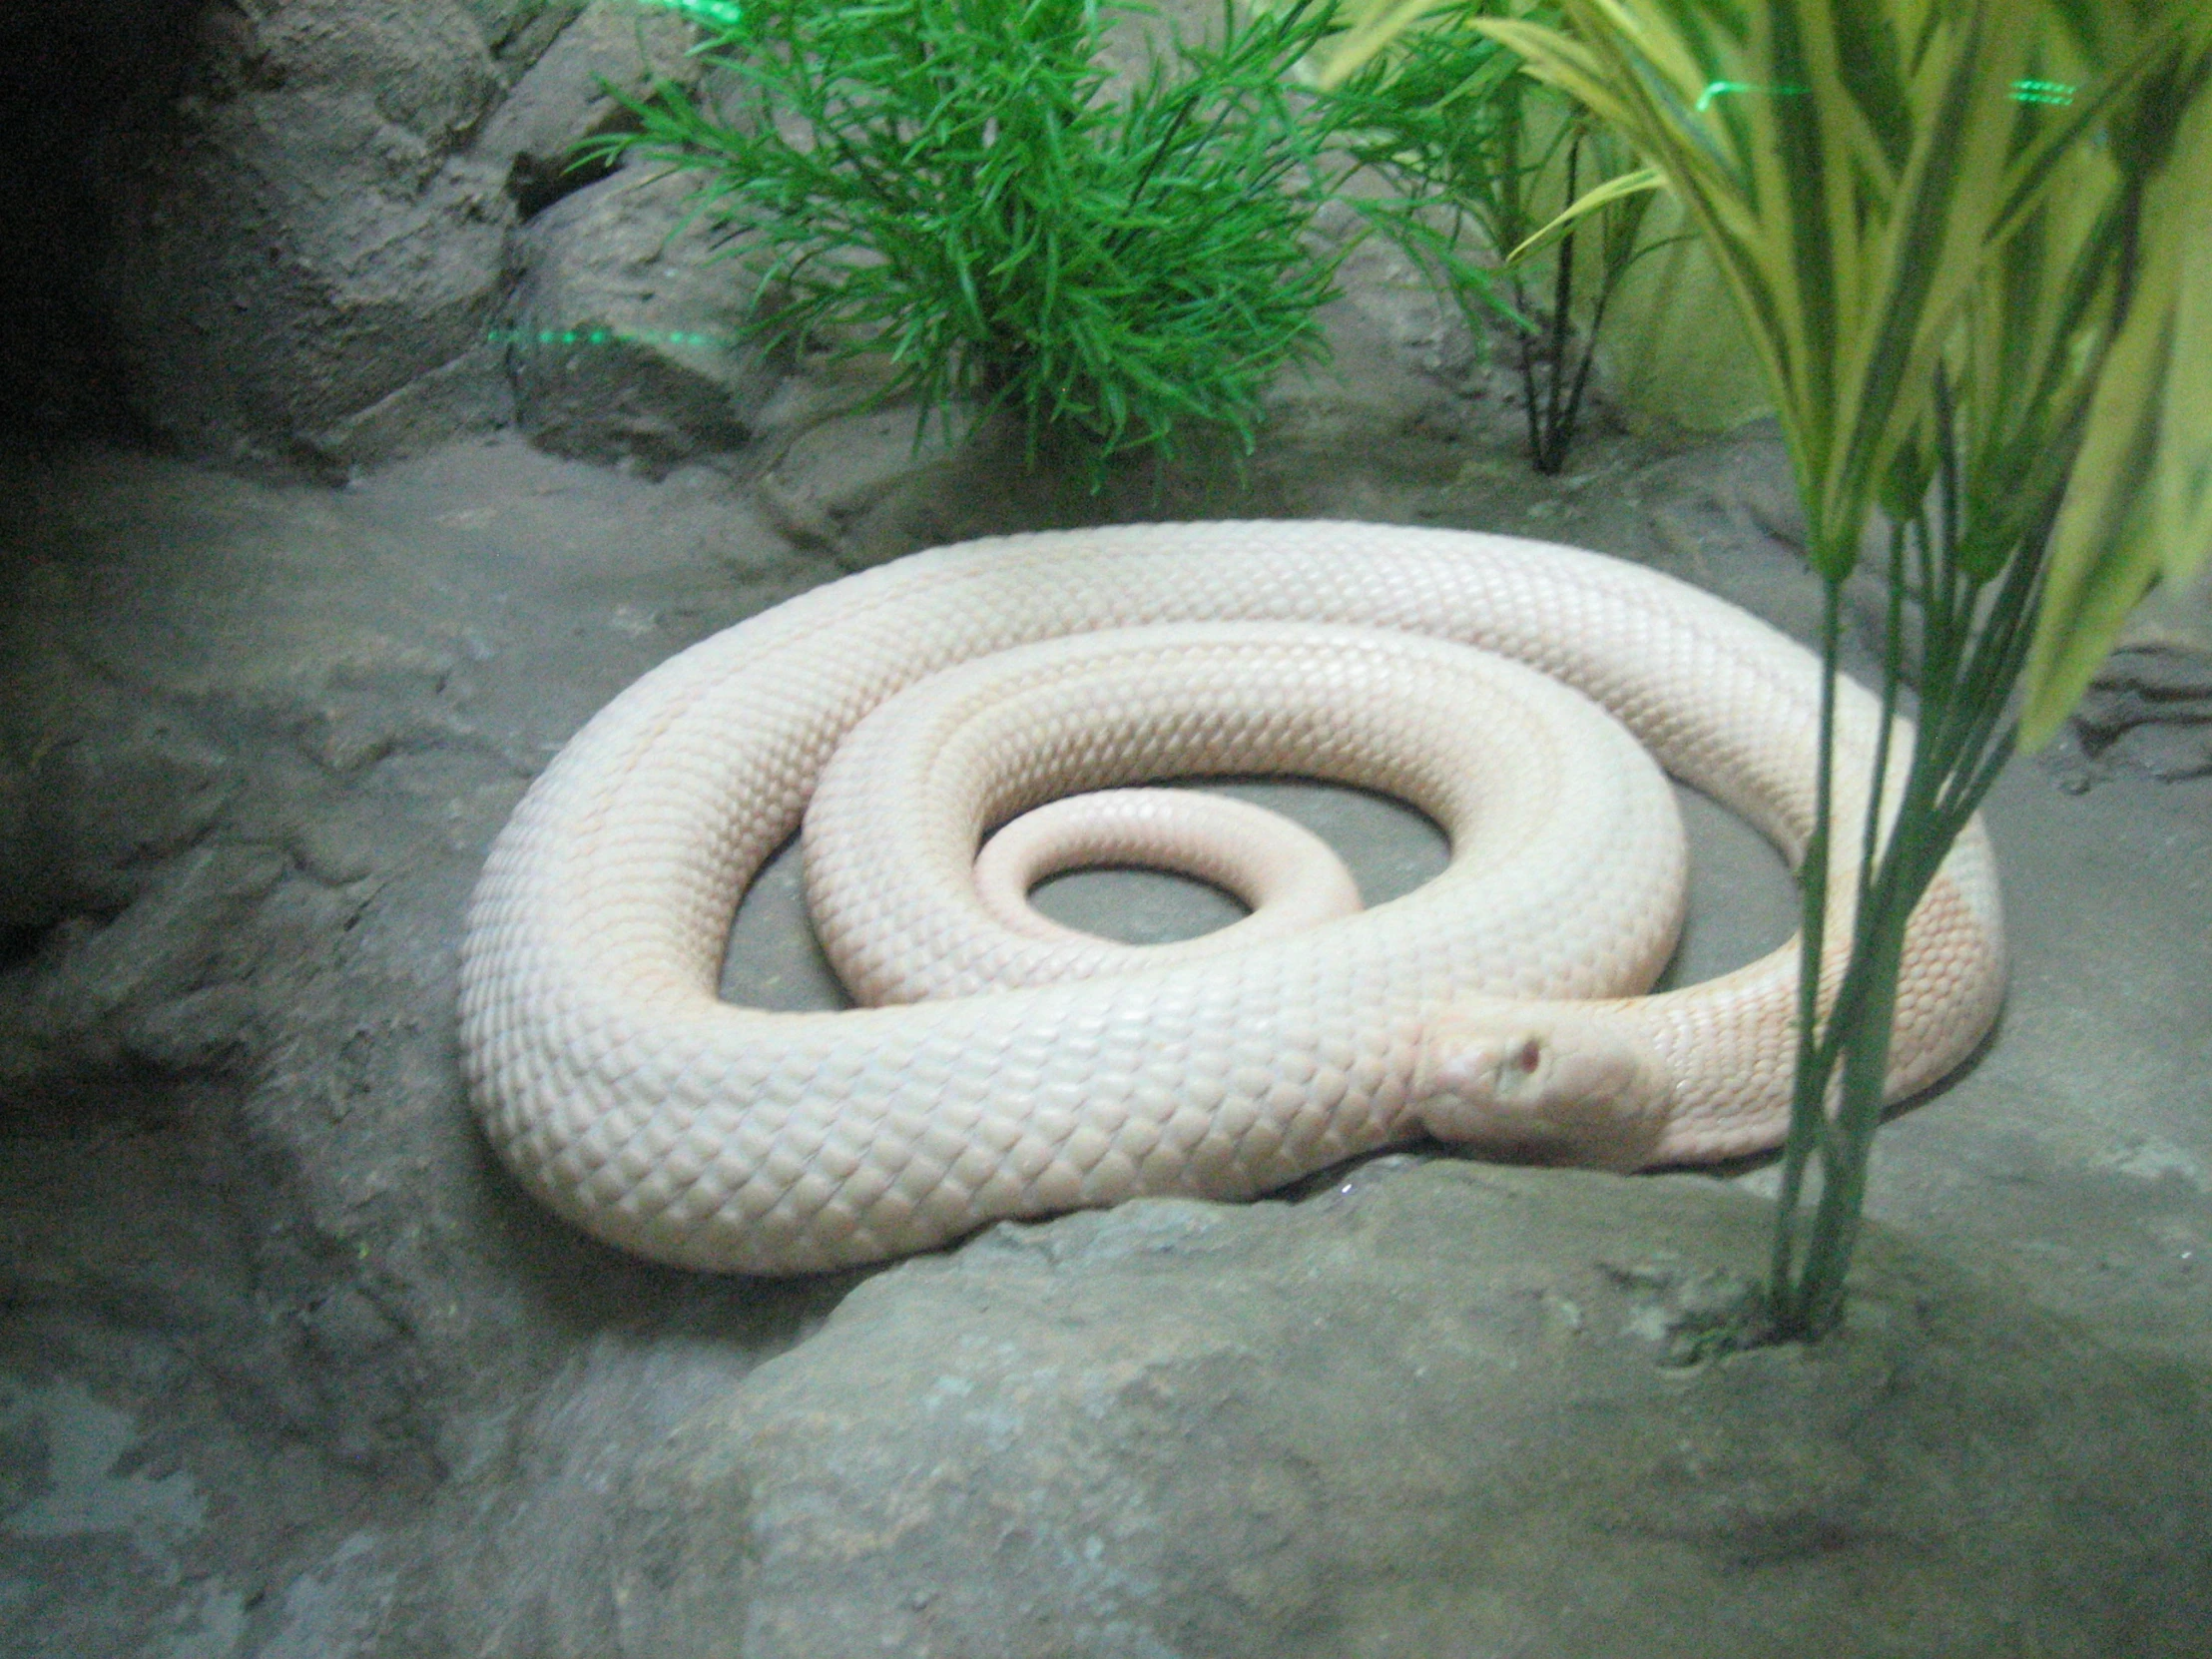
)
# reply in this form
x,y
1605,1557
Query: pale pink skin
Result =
x,y
625,1095
1508,1079
1287,877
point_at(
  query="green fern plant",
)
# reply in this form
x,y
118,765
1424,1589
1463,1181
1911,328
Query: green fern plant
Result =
x,y
955,186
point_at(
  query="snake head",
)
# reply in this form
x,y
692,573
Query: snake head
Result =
x,y
1545,1083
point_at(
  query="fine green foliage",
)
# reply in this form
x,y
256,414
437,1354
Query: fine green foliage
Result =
x,y
956,185
1967,239
1471,143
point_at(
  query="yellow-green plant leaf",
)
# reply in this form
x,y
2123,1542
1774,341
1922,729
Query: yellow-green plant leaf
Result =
x,y
1674,352
2024,363
1563,62
2185,434
1634,183
2139,497
1848,174
1370,26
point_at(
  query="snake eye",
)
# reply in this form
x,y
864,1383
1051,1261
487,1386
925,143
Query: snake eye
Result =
x,y
1532,1052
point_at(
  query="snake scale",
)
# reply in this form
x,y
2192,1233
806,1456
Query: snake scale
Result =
x,y
628,1097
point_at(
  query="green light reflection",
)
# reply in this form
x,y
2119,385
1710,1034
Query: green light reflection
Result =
x,y
708,11
690,337
2024,92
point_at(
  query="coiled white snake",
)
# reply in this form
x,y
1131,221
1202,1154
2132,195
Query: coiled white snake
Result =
x,y
630,1099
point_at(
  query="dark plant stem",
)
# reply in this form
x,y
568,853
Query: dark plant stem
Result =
x,y
1555,406
1974,630
1549,431
1807,1138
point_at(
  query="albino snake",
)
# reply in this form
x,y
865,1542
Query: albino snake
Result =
x,y
628,1098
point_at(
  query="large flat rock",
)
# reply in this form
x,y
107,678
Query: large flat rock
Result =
x,y
1432,1409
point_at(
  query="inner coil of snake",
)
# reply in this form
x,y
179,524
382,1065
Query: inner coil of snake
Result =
x,y
1498,1007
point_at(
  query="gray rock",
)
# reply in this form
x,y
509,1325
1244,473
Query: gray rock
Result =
x,y
107,807
624,342
518,31
164,984
2150,708
294,241
469,393
523,31
2146,683
19,852
291,1366
1438,1408
563,98
2168,752
860,484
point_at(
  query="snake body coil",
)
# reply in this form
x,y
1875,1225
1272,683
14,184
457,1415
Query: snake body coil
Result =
x,y
630,1099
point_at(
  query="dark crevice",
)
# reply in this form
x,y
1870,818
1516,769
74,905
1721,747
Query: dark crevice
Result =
x,y
70,78
19,942
536,185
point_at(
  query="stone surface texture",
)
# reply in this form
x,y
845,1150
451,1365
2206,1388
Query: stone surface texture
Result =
x,y
290,1367
297,238
1428,1409
621,339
